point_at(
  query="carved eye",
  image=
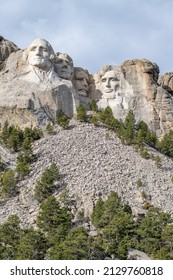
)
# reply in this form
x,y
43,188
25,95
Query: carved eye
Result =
x,y
114,79
33,49
59,61
44,49
103,80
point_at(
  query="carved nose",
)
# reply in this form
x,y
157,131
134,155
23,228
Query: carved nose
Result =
x,y
38,51
84,82
107,83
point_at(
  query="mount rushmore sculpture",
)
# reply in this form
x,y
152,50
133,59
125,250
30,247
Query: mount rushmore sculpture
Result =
x,y
36,83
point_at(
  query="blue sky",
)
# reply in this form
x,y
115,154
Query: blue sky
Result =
x,y
94,32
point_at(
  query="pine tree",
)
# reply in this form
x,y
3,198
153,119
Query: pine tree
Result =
x,y
93,105
46,185
22,166
32,246
10,234
117,234
14,142
167,240
112,206
106,116
49,129
62,119
126,131
165,146
9,183
32,134
81,113
24,159
52,216
97,212
1,165
94,120
5,132
115,225
150,230
76,246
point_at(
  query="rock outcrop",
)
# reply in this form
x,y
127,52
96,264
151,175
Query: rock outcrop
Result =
x,y
6,48
31,91
37,82
137,255
166,81
134,86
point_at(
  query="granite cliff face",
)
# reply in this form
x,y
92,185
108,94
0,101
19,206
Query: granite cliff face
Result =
x,y
31,91
136,88
6,48
37,82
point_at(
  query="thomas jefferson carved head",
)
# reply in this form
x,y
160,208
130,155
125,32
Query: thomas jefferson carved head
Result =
x,y
64,66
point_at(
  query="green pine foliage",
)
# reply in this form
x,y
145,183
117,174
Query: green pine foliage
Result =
x,y
144,152
76,246
115,224
9,183
139,182
1,165
13,137
166,252
24,159
144,135
165,146
94,120
5,133
127,129
10,234
49,129
117,230
97,212
46,185
81,113
52,216
62,119
106,116
93,105
33,133
32,246
57,237
150,230
22,166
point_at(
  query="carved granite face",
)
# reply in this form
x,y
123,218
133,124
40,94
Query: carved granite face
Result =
x,y
64,66
40,54
109,84
81,81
